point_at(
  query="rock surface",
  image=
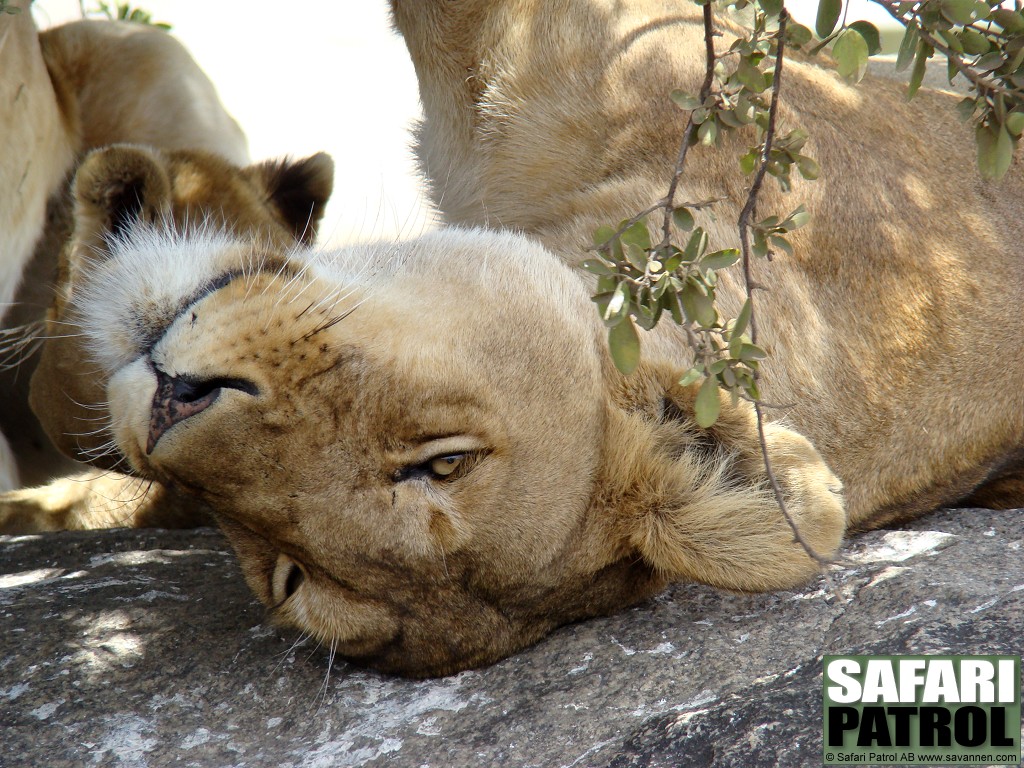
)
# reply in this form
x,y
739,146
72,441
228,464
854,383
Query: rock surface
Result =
x,y
145,648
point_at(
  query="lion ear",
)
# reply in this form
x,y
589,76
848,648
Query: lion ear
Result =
x,y
696,504
116,187
299,189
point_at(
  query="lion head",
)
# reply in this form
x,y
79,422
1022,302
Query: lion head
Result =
x,y
280,202
421,451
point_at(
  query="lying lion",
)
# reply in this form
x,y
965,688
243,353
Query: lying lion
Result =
x,y
422,452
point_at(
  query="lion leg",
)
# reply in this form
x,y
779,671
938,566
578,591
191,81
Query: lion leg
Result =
x,y
95,499
697,503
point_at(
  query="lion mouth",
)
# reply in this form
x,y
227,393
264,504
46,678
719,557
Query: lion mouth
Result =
x,y
181,397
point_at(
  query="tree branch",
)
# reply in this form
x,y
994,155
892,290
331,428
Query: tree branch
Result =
x,y
744,227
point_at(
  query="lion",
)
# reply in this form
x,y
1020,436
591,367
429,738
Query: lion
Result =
x,y
277,203
64,92
422,452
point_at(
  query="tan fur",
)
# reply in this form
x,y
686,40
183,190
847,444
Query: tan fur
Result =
x,y
307,397
63,92
36,153
885,330
329,382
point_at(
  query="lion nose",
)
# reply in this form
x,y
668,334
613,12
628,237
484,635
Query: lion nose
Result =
x,y
180,397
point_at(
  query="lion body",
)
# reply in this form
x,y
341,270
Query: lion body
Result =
x,y
883,330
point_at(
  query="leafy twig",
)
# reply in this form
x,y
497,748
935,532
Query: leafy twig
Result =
x,y
744,227
691,125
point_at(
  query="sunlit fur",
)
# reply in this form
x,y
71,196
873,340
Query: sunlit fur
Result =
x,y
891,329
579,490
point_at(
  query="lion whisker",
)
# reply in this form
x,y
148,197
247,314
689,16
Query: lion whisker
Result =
x,y
302,638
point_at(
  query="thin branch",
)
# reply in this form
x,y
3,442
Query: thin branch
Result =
x,y
691,126
744,227
667,203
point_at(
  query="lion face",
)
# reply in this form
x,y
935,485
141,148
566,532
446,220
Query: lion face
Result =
x,y
395,482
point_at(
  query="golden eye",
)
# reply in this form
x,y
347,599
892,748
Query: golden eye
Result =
x,y
442,466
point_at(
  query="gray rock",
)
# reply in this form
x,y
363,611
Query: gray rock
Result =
x,y
145,648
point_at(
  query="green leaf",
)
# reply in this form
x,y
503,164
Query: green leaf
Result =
x,y
752,352
907,47
707,405
974,43
958,11
697,306
624,344
707,133
797,218
772,7
695,246
952,40
690,377
760,245
674,260
808,166
636,256
965,108
684,100
995,151
637,235
851,52
670,299
1018,57
720,259
797,35
990,61
748,162
743,319
750,76
870,34
1011,21
924,51
1015,123
782,244
597,267
602,235
682,218
717,367
828,16
647,316
730,118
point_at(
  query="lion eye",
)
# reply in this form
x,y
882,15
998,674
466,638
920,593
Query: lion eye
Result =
x,y
447,466
442,466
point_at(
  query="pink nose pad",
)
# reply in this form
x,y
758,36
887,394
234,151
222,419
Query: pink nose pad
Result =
x,y
177,399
